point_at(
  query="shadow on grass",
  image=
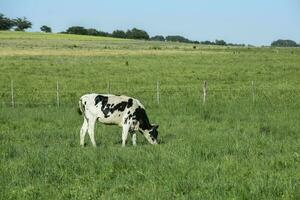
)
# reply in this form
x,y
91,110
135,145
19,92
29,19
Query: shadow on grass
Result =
x,y
167,138
161,140
142,141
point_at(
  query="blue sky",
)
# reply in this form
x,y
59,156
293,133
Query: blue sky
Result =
x,y
257,22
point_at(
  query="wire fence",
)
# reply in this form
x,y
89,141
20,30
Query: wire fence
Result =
x,y
18,95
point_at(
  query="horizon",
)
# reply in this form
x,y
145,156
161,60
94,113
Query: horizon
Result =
x,y
255,23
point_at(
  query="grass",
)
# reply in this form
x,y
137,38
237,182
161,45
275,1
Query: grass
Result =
x,y
229,148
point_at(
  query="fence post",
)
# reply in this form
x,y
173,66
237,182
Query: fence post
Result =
x,y
12,94
204,92
57,94
108,87
157,92
253,92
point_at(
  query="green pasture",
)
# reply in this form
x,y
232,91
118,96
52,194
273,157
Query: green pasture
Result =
x,y
243,143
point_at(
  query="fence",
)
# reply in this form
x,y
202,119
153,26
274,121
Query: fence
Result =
x,y
153,93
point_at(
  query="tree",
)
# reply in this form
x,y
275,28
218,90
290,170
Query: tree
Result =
x,y
46,29
207,42
233,44
79,30
158,38
284,43
220,42
92,31
5,23
22,24
177,38
104,34
137,34
119,34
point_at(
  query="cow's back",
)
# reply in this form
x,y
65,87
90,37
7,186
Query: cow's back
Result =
x,y
109,109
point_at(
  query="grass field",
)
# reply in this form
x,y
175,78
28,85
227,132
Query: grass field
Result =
x,y
236,146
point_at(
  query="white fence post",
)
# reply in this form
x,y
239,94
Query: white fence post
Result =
x,y
57,94
12,94
253,92
157,92
204,92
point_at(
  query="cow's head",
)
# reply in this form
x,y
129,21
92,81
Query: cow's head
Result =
x,y
151,134
144,126
154,131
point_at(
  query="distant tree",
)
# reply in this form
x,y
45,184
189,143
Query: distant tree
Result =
x,y
177,38
233,44
46,29
220,42
207,42
196,42
79,30
92,31
119,34
284,43
104,34
158,38
5,23
22,24
137,34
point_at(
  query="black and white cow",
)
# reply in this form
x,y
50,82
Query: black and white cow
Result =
x,y
123,111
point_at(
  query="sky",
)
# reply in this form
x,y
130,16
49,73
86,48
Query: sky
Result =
x,y
256,22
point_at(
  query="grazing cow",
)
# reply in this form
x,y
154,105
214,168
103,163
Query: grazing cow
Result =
x,y
123,111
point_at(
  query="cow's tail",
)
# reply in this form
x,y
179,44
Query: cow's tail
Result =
x,y
81,108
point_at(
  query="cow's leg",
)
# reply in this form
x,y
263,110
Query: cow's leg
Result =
x,y
125,134
83,131
134,138
91,130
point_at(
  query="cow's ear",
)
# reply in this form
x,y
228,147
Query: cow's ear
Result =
x,y
155,126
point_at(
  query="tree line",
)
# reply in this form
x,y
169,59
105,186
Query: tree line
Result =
x,y
18,24
141,34
21,24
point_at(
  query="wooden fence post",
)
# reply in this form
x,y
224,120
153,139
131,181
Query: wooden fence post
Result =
x,y
204,92
157,92
12,93
57,94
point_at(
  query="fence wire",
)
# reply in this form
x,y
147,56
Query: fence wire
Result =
x,y
60,95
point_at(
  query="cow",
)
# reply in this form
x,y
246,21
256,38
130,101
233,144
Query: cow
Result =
x,y
126,112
